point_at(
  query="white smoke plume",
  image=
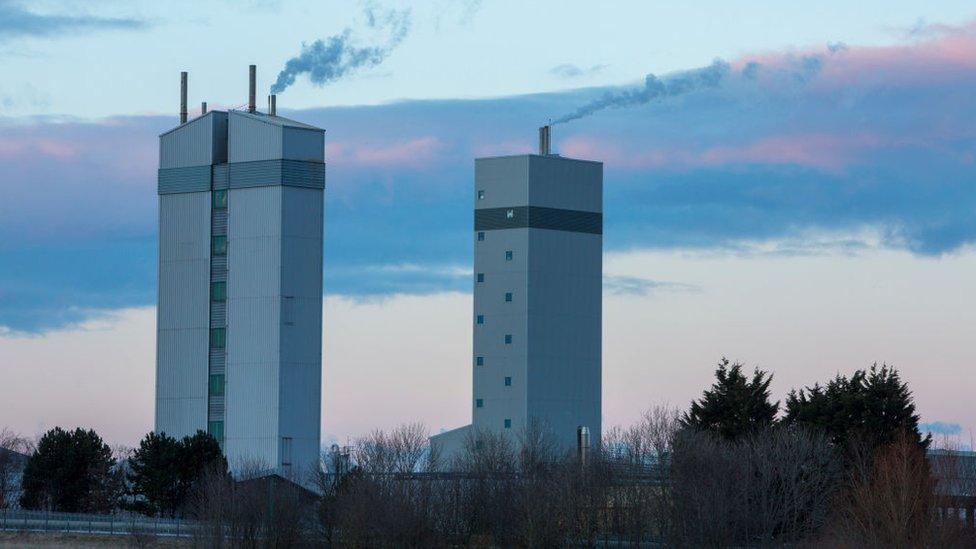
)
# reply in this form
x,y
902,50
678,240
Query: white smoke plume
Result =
x,y
654,88
328,60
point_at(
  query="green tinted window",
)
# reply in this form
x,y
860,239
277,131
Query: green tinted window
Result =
x,y
219,200
218,245
216,430
218,338
218,291
217,385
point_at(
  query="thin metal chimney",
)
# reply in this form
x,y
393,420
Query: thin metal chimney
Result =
x,y
272,105
252,88
203,108
183,97
582,440
544,136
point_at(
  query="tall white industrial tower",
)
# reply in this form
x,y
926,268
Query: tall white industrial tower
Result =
x,y
538,259
239,321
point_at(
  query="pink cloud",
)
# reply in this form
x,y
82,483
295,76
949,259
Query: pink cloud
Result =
x,y
413,153
816,150
823,151
501,148
52,148
941,54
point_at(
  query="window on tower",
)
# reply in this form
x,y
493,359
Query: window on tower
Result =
x,y
480,319
218,245
508,382
218,291
218,338
508,424
508,339
508,255
481,195
217,385
481,277
508,296
479,361
481,236
220,200
479,403
286,443
216,430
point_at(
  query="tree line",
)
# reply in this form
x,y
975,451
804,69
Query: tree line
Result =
x,y
77,472
841,463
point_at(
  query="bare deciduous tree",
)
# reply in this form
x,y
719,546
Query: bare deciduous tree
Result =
x,y
13,448
895,502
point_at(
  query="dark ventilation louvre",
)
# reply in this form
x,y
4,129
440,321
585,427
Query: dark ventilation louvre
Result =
x,y
536,217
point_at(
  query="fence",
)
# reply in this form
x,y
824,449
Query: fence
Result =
x,y
81,523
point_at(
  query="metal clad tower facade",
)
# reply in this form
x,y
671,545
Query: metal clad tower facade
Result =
x,y
239,321
538,249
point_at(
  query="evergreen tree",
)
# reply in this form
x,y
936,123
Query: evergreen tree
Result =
x,y
70,472
735,405
871,408
164,471
199,454
154,475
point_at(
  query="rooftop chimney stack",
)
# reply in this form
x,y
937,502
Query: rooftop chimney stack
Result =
x,y
544,149
203,108
183,97
272,106
252,89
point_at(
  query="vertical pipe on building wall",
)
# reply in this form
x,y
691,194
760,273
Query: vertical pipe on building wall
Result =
x,y
203,108
583,443
183,97
252,88
272,106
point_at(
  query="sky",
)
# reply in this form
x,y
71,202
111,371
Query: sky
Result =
x,y
793,188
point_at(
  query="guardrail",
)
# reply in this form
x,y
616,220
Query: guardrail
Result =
x,y
80,523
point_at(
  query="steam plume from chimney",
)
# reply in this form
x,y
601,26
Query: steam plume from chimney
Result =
x,y
654,88
328,60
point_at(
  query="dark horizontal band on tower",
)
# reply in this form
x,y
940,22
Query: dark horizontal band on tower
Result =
x,y
238,175
537,217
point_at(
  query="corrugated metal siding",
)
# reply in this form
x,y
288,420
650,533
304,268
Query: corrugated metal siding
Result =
x,y
558,182
218,268
216,408
218,315
218,360
218,223
191,144
302,144
261,173
221,176
183,180
565,331
555,279
293,173
249,139
489,219
268,394
505,181
220,138
301,339
253,318
182,337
